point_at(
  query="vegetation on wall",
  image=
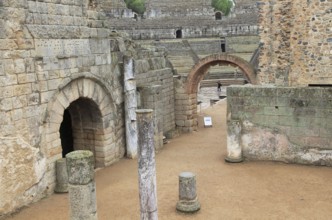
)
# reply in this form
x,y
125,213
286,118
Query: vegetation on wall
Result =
x,y
223,5
137,6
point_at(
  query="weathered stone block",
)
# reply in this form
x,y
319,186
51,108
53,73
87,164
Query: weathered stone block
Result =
x,y
83,203
20,161
80,167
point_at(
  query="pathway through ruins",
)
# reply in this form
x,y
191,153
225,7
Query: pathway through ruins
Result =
x,y
249,190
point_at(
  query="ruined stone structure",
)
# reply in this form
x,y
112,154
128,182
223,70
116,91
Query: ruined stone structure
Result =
x,y
179,19
289,124
62,81
61,77
186,87
285,119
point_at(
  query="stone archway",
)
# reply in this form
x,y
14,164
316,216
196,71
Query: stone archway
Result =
x,y
91,110
197,73
178,33
186,100
81,127
218,15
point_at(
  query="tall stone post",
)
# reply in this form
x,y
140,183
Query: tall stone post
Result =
x,y
234,150
130,107
152,99
188,201
82,186
146,165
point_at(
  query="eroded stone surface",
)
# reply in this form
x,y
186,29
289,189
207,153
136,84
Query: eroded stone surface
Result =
x,y
83,203
147,165
80,167
81,187
61,176
188,201
21,168
295,24
281,123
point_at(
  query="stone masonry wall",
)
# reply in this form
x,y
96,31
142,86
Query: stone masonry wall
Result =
x,y
151,69
296,42
286,124
156,8
53,53
163,18
44,46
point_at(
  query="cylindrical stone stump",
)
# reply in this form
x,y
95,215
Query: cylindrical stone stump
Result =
x,y
61,176
146,165
188,201
81,185
234,150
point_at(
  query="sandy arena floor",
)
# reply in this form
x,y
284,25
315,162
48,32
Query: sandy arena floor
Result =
x,y
249,190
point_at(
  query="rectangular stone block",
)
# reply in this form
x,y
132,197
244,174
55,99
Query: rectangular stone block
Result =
x,y
26,78
53,84
6,104
180,123
22,89
267,120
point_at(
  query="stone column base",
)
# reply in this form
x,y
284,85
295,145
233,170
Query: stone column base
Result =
x,y
234,160
188,206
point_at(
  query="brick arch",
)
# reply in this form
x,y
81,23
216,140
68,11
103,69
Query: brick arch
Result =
x,y
104,127
198,71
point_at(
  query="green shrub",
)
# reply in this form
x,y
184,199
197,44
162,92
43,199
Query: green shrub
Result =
x,y
222,5
137,6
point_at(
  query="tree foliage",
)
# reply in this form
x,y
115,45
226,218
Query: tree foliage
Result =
x,y
223,5
137,6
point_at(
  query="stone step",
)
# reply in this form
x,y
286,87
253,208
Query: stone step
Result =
x,y
224,82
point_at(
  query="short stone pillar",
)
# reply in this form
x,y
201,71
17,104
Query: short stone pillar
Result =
x,y
146,165
81,187
234,150
61,176
188,201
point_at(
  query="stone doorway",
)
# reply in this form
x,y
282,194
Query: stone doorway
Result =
x,y
82,127
83,116
66,134
178,34
218,15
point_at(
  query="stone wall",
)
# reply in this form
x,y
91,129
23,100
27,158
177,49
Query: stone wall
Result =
x,y
286,120
156,8
115,8
165,28
58,56
163,18
242,44
207,46
286,124
151,74
303,26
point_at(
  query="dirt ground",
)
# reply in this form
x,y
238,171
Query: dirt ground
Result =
x,y
248,190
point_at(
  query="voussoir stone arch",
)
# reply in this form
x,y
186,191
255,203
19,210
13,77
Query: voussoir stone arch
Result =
x,y
186,117
98,95
198,71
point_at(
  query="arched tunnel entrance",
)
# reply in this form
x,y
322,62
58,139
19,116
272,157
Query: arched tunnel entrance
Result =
x,y
83,116
82,127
